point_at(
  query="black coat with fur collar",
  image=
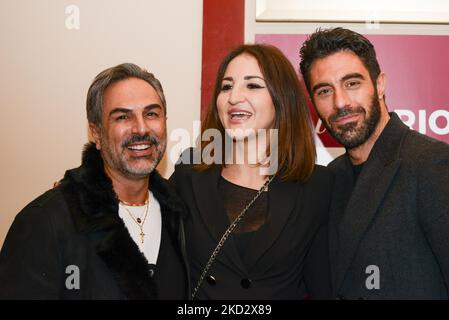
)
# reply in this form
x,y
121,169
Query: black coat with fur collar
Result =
x,y
75,227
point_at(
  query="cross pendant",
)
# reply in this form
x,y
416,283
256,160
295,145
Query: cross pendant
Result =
x,y
142,235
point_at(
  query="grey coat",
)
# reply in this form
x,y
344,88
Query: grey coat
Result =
x,y
395,219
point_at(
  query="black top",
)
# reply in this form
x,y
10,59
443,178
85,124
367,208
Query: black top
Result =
x,y
286,258
235,199
356,169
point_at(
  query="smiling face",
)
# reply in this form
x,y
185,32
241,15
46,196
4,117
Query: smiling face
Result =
x,y
345,97
244,101
132,137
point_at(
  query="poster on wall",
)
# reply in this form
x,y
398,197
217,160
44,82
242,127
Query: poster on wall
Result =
x,y
417,71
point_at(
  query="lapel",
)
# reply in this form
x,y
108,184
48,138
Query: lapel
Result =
x,y
340,197
282,197
211,208
370,189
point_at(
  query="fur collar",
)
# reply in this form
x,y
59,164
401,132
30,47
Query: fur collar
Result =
x,y
94,208
99,198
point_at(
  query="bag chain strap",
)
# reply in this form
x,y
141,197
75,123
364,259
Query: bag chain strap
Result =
x,y
226,235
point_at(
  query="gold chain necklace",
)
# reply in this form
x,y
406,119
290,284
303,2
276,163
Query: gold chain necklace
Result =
x,y
136,204
140,223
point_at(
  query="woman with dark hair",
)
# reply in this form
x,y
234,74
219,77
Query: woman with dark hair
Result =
x,y
258,204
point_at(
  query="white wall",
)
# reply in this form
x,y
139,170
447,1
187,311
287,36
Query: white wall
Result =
x,y
370,27
46,70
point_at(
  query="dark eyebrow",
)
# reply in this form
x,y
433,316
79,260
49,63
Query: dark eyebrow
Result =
x,y
152,106
126,110
319,85
245,78
252,77
355,75
119,110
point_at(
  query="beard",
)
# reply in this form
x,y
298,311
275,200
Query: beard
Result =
x,y
352,135
117,159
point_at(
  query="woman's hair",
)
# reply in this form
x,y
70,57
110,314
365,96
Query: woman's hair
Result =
x,y
296,145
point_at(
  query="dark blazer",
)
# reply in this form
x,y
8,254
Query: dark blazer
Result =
x,y
289,251
396,218
77,224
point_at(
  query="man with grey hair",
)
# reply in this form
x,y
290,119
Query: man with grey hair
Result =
x,y
112,228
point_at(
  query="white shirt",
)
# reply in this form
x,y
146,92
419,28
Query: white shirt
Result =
x,y
151,227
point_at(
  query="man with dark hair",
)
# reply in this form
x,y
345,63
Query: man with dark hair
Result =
x,y
389,228
112,228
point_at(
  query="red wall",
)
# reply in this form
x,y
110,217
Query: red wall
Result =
x,y
223,29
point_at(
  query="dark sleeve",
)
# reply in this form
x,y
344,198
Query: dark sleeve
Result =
x,y
317,267
29,267
433,206
187,158
173,180
317,272
175,177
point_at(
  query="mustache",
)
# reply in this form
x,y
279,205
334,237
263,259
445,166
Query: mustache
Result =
x,y
345,112
148,138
